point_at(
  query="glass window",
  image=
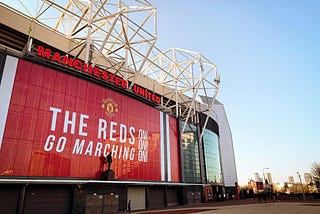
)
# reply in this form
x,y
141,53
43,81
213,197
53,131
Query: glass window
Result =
x,y
212,157
190,149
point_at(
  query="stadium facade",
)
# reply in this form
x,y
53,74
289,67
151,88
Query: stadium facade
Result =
x,y
67,105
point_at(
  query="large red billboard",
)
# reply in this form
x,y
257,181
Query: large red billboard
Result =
x,y
59,125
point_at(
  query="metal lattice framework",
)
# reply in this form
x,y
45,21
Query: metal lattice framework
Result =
x,y
120,35
190,75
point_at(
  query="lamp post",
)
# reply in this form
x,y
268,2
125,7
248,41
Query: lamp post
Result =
x,y
303,195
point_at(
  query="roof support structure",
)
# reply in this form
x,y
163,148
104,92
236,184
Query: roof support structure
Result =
x,y
120,36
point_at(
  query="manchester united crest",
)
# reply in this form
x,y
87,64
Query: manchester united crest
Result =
x,y
110,106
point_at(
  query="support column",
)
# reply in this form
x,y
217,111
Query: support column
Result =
x,y
21,199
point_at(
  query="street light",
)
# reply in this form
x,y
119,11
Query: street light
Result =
x,y
303,195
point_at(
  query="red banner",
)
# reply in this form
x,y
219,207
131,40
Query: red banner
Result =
x,y
59,125
174,150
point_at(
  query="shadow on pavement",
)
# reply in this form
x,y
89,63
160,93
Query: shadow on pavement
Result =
x,y
180,211
311,204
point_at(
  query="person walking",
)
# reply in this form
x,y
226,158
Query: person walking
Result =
x,y
129,206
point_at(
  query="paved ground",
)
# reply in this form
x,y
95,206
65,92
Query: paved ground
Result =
x,y
248,207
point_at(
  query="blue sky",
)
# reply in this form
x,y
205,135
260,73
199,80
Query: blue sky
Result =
x,y
268,55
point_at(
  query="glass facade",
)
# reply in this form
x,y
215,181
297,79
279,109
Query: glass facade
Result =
x,y
212,157
190,148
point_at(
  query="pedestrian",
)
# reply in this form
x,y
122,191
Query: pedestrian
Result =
x,y
109,160
129,206
265,197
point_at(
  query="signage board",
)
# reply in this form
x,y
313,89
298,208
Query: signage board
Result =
x,y
58,125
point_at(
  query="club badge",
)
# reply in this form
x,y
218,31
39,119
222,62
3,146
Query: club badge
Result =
x,y
110,107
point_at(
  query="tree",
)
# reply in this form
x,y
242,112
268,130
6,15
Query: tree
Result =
x,y
315,169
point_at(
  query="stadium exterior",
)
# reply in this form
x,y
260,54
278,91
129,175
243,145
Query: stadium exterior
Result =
x,y
67,103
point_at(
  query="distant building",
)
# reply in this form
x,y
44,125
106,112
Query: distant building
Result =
x,y
257,177
307,177
269,178
291,179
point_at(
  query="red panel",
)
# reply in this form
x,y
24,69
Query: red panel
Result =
x,y
72,149
174,150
